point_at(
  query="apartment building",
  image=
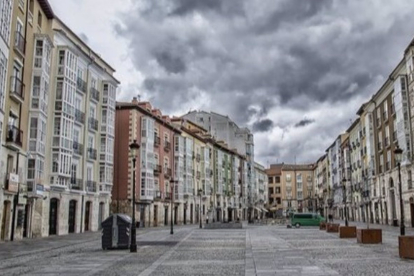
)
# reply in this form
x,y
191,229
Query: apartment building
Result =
x,y
297,188
222,128
197,171
320,177
61,97
353,166
154,170
274,202
261,191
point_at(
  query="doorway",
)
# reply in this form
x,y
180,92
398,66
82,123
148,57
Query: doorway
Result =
x,y
185,213
5,220
155,215
175,215
166,216
101,214
53,216
88,207
72,216
412,211
191,213
26,221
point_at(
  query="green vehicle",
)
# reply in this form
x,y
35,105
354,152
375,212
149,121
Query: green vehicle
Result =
x,y
306,219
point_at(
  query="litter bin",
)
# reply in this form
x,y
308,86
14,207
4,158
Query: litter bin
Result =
x,y
116,231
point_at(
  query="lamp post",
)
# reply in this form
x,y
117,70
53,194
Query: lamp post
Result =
x,y
200,191
398,156
344,190
134,147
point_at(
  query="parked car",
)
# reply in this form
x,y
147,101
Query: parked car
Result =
x,y
306,219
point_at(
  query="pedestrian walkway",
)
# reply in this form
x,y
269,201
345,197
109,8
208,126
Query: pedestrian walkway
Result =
x,y
254,250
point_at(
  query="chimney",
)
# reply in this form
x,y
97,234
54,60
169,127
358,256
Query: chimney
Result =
x,y
134,100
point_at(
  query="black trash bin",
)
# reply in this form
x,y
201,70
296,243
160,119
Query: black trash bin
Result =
x,y
116,232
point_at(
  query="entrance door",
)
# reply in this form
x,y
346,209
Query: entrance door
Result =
x,y
175,214
72,216
191,213
26,221
393,208
185,214
53,216
87,215
165,216
412,214
5,219
155,215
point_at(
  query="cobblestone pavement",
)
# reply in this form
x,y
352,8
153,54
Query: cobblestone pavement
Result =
x,y
253,250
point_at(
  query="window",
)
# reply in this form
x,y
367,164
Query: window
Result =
x,y
270,190
409,180
299,177
288,177
270,179
300,195
5,18
278,200
277,179
277,190
3,66
299,185
39,19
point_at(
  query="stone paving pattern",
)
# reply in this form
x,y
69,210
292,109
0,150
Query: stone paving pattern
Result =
x,y
253,250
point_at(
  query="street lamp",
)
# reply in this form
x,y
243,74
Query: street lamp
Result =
x,y
134,147
344,190
398,157
200,191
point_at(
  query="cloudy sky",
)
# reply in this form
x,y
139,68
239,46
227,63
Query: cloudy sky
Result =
x,y
294,71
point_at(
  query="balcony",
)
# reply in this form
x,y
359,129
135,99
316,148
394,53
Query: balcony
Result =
x,y
81,85
79,116
16,89
91,186
75,184
94,94
167,172
19,43
157,170
167,146
14,137
77,148
92,153
157,141
93,124
168,195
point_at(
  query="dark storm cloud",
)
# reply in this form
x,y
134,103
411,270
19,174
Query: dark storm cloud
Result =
x,y
251,58
304,122
291,11
263,125
171,63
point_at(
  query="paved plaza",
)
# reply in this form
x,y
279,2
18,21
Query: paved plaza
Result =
x,y
253,250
